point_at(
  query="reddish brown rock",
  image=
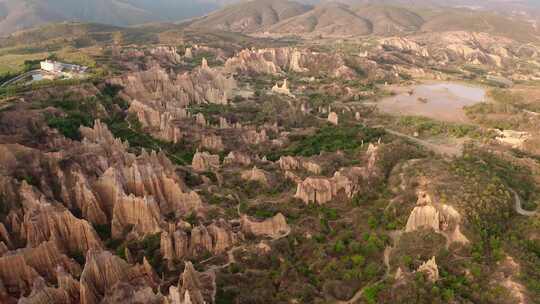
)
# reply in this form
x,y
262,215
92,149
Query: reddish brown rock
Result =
x,y
235,157
274,227
194,287
204,161
140,214
19,269
106,274
215,239
256,175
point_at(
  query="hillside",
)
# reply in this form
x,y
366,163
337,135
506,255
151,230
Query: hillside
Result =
x,y
466,20
251,16
342,20
325,20
16,15
387,19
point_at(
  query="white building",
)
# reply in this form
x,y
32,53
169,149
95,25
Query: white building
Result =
x,y
66,69
52,66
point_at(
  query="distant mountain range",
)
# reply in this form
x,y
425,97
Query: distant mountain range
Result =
x,y
247,16
358,18
21,14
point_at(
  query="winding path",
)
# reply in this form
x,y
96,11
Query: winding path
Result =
x,y
519,205
447,150
394,235
22,76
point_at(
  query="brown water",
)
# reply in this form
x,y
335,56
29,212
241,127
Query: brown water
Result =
x,y
441,101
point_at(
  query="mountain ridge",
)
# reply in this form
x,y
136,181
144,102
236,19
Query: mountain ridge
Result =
x,y
18,15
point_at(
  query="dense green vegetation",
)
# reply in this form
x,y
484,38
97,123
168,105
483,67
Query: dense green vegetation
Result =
x,y
331,139
487,203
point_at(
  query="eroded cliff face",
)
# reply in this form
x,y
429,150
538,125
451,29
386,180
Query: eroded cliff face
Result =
x,y
194,287
346,181
106,275
22,268
288,163
274,227
179,243
441,218
431,269
202,85
159,98
458,47
280,60
106,186
204,161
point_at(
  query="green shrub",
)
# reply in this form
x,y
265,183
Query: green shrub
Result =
x,y
332,139
371,292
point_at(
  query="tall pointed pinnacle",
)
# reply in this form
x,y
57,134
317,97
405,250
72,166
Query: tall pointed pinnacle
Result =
x,y
204,64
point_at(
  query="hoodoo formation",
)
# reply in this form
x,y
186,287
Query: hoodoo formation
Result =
x,y
269,151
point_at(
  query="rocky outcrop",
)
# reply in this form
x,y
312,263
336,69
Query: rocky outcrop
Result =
x,y
167,53
274,227
158,120
224,124
333,118
138,215
347,181
159,98
312,167
252,137
256,175
441,218
430,269
212,142
188,53
317,190
179,243
202,85
42,294
250,61
321,190
106,274
267,61
404,44
423,217
456,47
55,223
21,268
67,291
200,120
204,161
288,163
151,174
235,157
283,89
280,60
194,287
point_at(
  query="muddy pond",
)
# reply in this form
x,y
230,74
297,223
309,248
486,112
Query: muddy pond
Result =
x,y
441,101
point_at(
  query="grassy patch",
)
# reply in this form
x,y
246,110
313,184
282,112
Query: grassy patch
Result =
x,y
332,139
426,126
